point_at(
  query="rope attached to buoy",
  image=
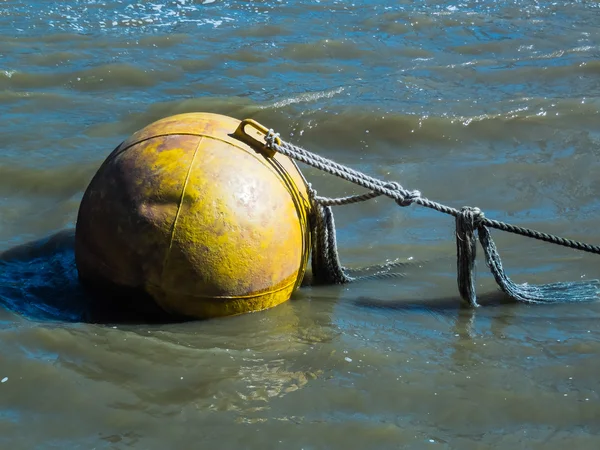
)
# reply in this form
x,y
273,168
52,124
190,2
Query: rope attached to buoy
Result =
x,y
471,224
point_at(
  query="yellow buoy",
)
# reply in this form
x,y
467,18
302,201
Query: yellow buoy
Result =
x,y
187,212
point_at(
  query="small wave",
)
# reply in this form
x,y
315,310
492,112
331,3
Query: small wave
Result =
x,y
61,182
106,76
324,49
347,126
304,98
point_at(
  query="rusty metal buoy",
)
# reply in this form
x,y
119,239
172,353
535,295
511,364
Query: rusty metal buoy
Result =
x,y
188,211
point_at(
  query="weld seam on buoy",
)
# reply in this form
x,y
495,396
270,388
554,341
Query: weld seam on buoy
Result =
x,y
255,153
140,141
228,297
177,214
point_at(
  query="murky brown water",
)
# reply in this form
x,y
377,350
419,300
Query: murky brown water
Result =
x,y
489,104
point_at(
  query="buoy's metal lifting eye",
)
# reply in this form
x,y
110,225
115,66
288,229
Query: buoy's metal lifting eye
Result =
x,y
255,137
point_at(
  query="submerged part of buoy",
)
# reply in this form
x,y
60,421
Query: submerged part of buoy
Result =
x,y
205,224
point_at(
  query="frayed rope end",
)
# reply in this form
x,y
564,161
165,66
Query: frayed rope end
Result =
x,y
468,223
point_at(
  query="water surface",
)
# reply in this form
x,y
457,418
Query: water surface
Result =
x,y
492,104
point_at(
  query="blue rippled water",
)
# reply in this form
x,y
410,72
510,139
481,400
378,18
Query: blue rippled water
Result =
x,y
485,103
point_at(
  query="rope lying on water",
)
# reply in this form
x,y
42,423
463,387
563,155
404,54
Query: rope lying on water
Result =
x,y
471,224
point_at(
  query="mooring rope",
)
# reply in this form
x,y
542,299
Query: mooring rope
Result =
x,y
471,224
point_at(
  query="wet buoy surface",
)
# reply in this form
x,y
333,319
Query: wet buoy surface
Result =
x,y
205,224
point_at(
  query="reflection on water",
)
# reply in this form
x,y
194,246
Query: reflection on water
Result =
x,y
486,104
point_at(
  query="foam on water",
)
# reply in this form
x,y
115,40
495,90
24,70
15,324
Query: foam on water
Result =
x,y
113,17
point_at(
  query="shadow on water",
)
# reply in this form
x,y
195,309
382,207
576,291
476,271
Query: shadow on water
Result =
x,y
446,303
39,280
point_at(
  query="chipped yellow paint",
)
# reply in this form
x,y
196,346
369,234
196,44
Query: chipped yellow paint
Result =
x,y
205,224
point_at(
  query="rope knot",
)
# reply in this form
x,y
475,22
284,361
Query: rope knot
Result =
x,y
405,197
271,138
472,216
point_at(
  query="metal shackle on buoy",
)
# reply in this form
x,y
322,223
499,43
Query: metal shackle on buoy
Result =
x,y
188,211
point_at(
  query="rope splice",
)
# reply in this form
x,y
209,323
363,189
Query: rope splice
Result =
x,y
471,225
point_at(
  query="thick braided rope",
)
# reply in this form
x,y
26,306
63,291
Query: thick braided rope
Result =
x,y
328,201
401,195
